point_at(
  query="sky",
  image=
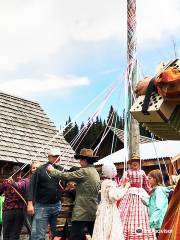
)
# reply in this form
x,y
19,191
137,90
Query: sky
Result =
x,y
64,53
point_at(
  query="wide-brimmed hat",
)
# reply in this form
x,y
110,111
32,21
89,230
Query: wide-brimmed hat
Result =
x,y
135,157
87,154
54,152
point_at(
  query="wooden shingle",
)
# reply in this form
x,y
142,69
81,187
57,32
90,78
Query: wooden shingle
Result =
x,y
27,133
120,134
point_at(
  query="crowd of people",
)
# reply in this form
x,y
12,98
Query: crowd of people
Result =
x,y
107,209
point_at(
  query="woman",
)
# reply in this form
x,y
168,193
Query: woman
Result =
x,y
133,213
13,207
108,225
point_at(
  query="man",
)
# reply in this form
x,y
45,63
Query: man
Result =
x,y
13,208
87,189
44,198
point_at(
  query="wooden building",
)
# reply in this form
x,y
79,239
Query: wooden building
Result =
x,y
165,153
104,144
27,133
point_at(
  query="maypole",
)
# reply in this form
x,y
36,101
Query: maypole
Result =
x,y
133,213
132,124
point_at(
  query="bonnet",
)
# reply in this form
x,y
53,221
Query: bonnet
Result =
x,y
109,170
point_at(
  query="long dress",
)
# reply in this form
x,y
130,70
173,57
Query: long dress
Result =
x,y
133,213
108,224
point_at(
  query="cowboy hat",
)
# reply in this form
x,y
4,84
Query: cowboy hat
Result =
x,y
87,154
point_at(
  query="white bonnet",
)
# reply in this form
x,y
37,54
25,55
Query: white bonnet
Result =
x,y
109,170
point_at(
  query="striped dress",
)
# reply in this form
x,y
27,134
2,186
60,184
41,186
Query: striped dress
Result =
x,y
133,213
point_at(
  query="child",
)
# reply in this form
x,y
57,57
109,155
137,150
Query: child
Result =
x,y
158,200
108,225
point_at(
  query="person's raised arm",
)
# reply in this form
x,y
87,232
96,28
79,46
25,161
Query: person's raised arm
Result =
x,y
74,176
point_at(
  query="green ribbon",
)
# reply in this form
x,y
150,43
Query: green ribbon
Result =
x,y
1,207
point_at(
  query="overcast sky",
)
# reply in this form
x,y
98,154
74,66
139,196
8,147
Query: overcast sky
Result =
x,y
63,53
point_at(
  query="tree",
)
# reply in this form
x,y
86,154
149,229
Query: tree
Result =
x,y
93,130
68,131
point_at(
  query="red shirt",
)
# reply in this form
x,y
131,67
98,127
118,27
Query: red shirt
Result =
x,y
12,199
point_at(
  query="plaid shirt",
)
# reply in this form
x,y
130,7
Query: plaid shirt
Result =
x,y
137,178
12,199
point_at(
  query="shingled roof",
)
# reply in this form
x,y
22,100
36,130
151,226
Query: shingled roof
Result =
x,y
120,134
26,133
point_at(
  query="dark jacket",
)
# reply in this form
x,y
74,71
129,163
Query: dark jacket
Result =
x,y
43,188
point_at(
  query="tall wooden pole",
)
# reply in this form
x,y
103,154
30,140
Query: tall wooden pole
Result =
x,y
133,126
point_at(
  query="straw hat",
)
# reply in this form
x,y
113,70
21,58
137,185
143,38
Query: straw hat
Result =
x,y
87,154
135,157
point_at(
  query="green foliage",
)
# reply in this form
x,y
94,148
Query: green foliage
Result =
x,y
70,131
88,137
92,132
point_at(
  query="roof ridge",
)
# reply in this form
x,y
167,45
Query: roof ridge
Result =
x,y
18,97
142,138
